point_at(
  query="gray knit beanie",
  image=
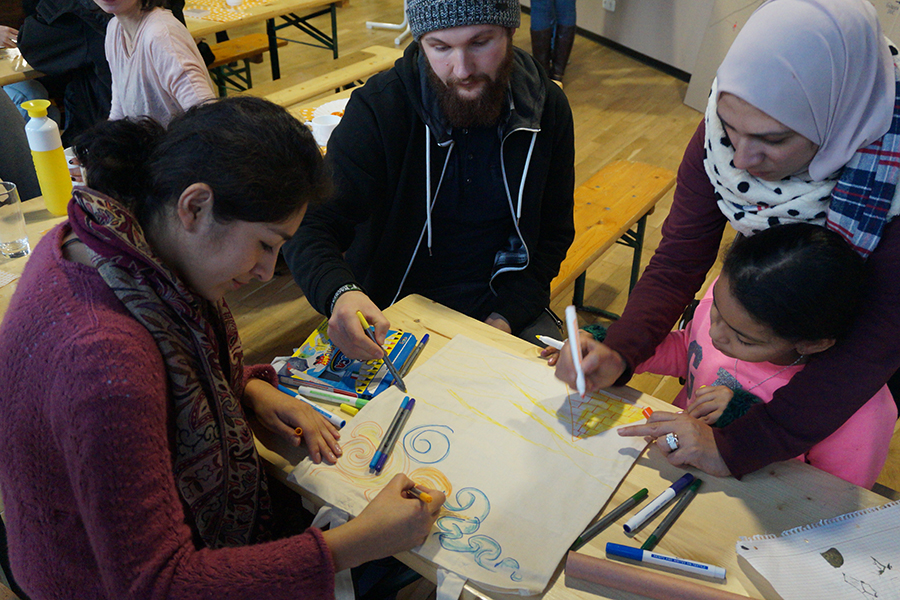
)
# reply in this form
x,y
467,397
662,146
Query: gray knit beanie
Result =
x,y
432,15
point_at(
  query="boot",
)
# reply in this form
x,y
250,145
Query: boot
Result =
x,y
562,47
540,47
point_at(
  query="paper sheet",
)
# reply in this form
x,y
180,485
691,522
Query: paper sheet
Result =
x,y
526,464
856,555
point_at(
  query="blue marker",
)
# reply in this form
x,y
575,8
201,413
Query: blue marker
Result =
x,y
657,503
330,417
648,556
392,440
387,435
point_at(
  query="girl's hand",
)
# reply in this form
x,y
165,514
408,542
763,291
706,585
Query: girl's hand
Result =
x,y
602,366
696,444
283,414
709,403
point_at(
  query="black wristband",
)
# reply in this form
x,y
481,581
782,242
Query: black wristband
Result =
x,y
348,287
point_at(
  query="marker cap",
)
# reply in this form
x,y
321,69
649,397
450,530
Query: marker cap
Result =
x,y
624,551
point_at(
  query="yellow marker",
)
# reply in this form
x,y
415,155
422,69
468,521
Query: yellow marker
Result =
x,y
362,320
423,496
350,410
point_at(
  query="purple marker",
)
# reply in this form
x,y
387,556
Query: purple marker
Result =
x,y
392,439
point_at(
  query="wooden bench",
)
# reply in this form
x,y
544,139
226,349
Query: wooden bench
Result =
x,y
343,71
248,49
610,207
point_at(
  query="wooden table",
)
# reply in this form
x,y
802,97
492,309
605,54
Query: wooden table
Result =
x,y
296,13
13,69
38,221
774,499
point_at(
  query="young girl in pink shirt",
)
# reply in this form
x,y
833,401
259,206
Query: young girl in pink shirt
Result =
x,y
784,295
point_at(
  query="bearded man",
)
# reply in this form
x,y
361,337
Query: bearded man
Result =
x,y
454,177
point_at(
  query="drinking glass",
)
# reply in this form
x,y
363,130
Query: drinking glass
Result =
x,y
13,239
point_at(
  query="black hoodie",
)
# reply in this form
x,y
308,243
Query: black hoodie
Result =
x,y
370,231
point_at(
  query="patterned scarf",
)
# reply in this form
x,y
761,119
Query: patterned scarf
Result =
x,y
857,206
217,469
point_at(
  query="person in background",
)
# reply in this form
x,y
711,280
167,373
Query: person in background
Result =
x,y
157,70
131,472
784,295
63,39
802,125
454,174
16,164
552,35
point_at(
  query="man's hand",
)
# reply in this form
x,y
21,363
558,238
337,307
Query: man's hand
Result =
x,y
496,320
347,333
9,37
709,403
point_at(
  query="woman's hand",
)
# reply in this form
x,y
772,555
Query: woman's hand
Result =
x,y
709,403
393,522
602,366
283,414
346,331
9,37
696,444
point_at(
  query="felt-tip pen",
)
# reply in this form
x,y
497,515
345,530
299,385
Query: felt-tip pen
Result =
x,y
331,418
608,520
549,341
657,503
647,556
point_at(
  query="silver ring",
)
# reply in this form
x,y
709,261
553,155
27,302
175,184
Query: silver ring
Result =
x,y
672,441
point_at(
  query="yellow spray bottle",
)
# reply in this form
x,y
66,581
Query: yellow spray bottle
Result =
x,y
49,157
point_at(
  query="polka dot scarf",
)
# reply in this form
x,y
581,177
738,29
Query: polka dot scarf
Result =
x,y
752,204
856,201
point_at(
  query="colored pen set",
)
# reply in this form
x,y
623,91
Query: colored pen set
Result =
x,y
393,434
644,554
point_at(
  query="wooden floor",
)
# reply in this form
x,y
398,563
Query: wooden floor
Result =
x,y
623,109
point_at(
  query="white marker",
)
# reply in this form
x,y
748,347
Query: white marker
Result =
x,y
575,347
549,341
647,556
657,503
330,417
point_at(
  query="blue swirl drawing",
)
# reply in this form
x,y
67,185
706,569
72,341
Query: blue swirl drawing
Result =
x,y
456,532
427,444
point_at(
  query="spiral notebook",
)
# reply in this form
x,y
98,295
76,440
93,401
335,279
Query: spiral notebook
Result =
x,y
856,555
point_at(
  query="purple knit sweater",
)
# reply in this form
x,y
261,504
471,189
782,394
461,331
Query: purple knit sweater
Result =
x,y
92,510
819,399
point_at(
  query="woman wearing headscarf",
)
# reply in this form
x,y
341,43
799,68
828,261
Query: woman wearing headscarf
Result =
x,y
802,126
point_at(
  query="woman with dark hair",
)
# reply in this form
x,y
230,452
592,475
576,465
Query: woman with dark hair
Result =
x,y
157,70
129,469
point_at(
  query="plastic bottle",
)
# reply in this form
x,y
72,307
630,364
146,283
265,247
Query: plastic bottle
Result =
x,y
49,157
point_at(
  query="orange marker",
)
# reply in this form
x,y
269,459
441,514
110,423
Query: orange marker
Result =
x,y
423,496
647,412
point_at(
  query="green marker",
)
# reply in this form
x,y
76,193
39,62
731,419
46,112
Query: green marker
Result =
x,y
592,530
676,511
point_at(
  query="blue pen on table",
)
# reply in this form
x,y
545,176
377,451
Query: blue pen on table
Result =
x,y
413,356
388,432
608,520
330,417
676,511
688,566
575,347
392,440
657,503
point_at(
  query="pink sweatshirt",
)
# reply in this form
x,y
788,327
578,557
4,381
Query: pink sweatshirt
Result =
x,y
856,452
92,510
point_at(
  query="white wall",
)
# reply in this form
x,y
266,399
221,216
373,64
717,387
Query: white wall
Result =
x,y
669,31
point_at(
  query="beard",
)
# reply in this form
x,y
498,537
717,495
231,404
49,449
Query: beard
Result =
x,y
482,111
